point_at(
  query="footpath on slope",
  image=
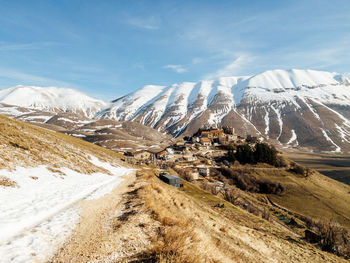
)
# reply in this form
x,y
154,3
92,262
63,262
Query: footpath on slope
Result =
x,y
90,239
42,211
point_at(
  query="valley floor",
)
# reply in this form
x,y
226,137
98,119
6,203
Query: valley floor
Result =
x,y
335,166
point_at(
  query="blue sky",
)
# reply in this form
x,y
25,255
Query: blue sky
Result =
x,y
110,48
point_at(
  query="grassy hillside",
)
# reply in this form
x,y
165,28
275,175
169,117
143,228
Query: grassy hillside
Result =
x,y
155,222
22,144
316,196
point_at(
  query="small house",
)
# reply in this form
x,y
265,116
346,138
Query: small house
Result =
x,y
189,157
211,134
142,155
179,146
231,137
170,179
205,141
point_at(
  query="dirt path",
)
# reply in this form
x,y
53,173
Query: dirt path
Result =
x,y
91,231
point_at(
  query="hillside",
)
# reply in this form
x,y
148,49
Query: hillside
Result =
x,y
294,107
68,205
111,134
155,222
45,178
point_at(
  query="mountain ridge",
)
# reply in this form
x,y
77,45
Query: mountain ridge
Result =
x,y
268,105
294,107
51,99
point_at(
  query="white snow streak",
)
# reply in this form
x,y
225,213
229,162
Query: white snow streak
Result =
x,y
293,138
267,122
337,148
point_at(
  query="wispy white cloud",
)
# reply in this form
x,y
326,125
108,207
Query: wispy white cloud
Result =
x,y
176,68
149,23
321,56
231,69
196,61
26,46
21,78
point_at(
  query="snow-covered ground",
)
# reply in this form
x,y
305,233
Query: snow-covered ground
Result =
x,y
40,214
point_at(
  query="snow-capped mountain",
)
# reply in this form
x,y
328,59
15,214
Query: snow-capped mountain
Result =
x,y
296,107
51,99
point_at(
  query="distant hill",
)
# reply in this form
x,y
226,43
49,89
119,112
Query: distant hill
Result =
x,y
51,99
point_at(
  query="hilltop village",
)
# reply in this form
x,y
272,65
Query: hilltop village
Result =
x,y
196,155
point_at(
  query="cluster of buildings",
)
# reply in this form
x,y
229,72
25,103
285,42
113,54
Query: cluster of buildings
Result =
x,y
194,155
213,136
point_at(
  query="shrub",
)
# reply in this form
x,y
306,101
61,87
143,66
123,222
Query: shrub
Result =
x,y
248,182
334,238
331,236
281,161
188,176
298,169
230,195
6,182
266,214
205,186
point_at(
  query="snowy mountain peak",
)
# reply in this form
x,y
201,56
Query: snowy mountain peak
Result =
x,y
294,78
290,106
51,99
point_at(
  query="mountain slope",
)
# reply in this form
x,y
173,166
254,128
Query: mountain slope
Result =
x,y
295,107
51,99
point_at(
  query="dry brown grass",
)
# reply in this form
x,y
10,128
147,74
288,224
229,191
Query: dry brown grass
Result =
x,y
177,239
155,222
189,226
6,182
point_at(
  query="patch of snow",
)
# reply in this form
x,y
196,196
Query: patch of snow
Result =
x,y
279,119
345,135
45,118
40,214
10,111
293,138
267,122
77,135
66,120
